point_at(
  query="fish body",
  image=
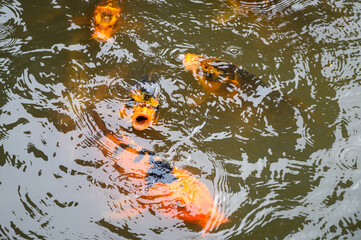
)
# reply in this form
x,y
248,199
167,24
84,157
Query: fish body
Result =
x,y
166,190
174,192
106,19
257,103
187,199
223,78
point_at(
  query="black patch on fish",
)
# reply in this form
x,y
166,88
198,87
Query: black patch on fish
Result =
x,y
141,153
159,171
146,95
224,69
210,77
145,151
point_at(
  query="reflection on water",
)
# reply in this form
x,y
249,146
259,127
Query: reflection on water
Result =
x,y
271,176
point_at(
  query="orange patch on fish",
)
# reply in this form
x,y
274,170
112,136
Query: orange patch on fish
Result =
x,y
210,73
127,159
191,61
106,20
187,199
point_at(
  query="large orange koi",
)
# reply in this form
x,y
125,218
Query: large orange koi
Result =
x,y
167,190
106,19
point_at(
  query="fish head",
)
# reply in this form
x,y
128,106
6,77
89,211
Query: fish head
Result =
x,y
215,75
205,69
192,61
145,109
105,22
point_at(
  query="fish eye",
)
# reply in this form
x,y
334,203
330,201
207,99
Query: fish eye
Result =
x,y
109,26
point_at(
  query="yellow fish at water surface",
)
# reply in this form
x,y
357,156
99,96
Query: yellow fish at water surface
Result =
x,y
143,104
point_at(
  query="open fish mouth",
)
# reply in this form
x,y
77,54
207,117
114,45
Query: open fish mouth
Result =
x,y
141,121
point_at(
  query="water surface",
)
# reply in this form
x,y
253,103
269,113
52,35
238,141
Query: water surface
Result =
x,y
292,174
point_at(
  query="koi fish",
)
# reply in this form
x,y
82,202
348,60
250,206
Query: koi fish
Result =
x,y
258,101
167,190
106,19
223,78
144,104
186,198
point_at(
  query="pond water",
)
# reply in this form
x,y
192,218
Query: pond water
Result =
x,y
292,174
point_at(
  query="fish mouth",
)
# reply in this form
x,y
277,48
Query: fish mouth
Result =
x,y
141,121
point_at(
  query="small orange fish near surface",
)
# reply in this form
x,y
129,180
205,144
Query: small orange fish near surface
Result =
x,y
106,19
168,191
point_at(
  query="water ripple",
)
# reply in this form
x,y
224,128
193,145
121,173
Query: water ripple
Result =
x,y
346,156
298,176
11,12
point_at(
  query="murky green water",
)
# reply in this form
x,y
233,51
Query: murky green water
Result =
x,y
288,174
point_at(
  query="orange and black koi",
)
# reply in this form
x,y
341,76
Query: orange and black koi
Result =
x,y
144,104
223,78
167,191
106,19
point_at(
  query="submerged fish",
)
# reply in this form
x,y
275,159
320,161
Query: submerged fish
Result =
x,y
237,3
106,19
244,8
144,105
256,103
167,190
